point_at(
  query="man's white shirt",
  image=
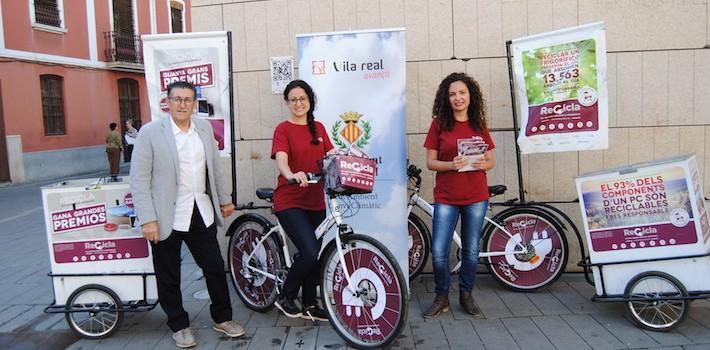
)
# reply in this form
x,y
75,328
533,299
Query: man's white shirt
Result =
x,y
192,179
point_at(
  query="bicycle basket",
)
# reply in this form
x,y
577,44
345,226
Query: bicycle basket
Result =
x,y
345,174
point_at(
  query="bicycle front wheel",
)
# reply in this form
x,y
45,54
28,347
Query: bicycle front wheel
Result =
x,y
256,290
540,234
370,312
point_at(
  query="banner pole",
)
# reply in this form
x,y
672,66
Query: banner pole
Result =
x,y
515,123
231,118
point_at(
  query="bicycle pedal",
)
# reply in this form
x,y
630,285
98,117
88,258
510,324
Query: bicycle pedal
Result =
x,y
534,259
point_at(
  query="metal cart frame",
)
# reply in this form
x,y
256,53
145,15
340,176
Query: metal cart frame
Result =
x,y
94,311
657,309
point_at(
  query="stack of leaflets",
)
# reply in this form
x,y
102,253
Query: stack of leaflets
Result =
x,y
472,149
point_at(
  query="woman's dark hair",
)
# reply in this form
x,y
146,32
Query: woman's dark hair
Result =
x,y
112,126
310,118
476,109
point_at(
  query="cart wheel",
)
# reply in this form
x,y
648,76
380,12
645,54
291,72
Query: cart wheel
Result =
x,y
656,315
92,311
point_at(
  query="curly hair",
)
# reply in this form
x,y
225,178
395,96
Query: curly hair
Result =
x,y
310,118
476,109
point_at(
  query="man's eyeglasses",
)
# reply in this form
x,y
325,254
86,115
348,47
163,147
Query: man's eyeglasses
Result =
x,y
180,100
294,101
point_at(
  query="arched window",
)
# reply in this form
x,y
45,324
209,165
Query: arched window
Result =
x,y
53,104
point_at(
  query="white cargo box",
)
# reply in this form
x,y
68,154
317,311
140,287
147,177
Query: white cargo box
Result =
x,y
652,210
644,211
90,231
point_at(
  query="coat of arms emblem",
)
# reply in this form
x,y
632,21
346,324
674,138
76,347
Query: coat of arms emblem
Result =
x,y
351,130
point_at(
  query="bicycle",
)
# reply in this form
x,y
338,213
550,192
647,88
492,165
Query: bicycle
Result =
x,y
524,247
363,288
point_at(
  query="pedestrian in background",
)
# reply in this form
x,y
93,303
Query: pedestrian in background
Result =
x,y
130,137
113,151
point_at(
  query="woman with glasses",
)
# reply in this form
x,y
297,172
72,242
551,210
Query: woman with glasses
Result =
x,y
460,150
298,144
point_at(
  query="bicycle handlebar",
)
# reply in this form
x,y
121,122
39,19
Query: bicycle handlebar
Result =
x,y
312,178
413,172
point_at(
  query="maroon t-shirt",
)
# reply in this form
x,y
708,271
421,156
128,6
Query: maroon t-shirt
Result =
x,y
453,187
295,140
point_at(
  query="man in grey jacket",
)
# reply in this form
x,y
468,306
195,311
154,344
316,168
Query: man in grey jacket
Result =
x,y
177,183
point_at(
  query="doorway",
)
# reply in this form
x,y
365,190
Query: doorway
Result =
x,y
128,109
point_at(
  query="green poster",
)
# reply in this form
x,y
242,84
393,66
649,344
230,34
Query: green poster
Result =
x,y
559,72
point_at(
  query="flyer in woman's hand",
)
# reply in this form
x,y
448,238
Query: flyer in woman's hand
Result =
x,y
472,149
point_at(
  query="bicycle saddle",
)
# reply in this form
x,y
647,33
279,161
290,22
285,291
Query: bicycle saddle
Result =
x,y
265,193
495,190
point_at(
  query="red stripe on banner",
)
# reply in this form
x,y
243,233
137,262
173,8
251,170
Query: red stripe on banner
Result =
x,y
562,117
101,250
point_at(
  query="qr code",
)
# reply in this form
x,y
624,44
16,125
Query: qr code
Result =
x,y
281,73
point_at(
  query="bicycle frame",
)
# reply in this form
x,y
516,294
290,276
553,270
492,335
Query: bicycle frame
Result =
x,y
335,218
415,199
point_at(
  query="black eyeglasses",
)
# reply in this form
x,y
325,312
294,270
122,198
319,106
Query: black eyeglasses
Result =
x,y
294,101
180,100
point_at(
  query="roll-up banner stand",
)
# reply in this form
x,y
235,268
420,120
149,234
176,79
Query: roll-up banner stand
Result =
x,y
359,80
561,85
201,59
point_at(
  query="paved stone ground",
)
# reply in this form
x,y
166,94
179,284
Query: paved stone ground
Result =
x,y
561,317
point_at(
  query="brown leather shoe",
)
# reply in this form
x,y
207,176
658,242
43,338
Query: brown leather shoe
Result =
x,y
468,305
440,305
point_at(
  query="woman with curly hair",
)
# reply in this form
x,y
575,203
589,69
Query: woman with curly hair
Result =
x,y
459,118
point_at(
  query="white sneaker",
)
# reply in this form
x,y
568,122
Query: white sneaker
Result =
x,y
184,338
230,328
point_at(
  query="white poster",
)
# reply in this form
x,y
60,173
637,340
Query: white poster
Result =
x,y
201,59
359,80
560,80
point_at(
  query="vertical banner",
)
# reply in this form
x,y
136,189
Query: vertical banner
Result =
x,y
359,80
560,80
201,59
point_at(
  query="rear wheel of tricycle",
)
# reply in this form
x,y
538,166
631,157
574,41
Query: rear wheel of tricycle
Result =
x,y
662,311
93,311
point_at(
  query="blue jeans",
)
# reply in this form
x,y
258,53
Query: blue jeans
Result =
x,y
444,223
